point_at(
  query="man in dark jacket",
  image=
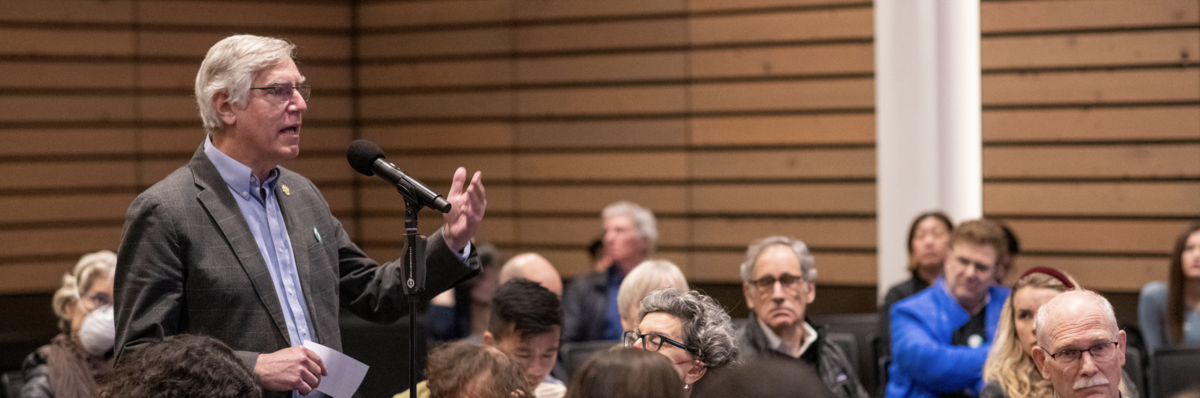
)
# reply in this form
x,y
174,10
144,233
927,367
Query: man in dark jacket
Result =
x,y
778,281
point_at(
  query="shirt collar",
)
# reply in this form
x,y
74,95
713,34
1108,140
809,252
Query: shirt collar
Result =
x,y
810,337
238,176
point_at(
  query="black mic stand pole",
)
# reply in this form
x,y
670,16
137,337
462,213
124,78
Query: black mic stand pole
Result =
x,y
414,284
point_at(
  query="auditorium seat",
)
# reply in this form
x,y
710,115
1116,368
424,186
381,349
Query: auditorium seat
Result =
x,y
1173,370
385,349
574,355
863,328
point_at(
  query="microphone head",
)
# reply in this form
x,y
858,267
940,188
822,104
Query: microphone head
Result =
x,y
362,155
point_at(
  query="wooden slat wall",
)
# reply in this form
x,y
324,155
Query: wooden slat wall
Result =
x,y
96,105
1091,131
731,119
738,119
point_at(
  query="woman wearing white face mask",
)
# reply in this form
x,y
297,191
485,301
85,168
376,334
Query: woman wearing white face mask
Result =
x,y
69,366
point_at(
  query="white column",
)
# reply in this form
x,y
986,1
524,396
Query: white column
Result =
x,y
927,116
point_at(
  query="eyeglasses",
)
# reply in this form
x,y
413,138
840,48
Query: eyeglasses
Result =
x,y
283,92
979,267
651,341
788,281
1099,352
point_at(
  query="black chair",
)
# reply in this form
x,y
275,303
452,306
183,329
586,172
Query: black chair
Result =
x,y
574,355
1133,368
864,329
12,382
385,349
1173,371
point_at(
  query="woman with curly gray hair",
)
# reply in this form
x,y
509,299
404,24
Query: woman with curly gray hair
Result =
x,y
690,329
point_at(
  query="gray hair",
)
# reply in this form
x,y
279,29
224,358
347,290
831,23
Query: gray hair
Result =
x,y
1087,298
647,277
74,284
706,326
643,221
808,266
230,65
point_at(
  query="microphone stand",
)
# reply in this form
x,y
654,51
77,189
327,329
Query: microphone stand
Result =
x,y
414,284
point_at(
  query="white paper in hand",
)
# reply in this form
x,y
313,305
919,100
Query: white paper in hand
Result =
x,y
345,373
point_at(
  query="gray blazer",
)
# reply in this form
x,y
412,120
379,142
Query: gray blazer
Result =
x,y
188,263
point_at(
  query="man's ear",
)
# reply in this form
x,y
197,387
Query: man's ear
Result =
x,y
1121,337
488,339
1039,359
224,108
812,292
749,295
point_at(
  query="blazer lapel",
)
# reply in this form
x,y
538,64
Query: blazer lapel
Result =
x,y
214,195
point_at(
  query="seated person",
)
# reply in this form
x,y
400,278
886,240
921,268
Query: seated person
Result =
x,y
1165,310
768,376
928,242
1009,371
941,335
690,329
590,301
461,312
465,370
778,278
647,277
534,267
526,323
626,373
183,365
76,358
1079,347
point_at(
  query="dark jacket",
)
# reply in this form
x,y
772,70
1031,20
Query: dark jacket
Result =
x,y
835,370
585,306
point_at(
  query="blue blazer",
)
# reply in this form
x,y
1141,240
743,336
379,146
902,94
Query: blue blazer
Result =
x,y
924,363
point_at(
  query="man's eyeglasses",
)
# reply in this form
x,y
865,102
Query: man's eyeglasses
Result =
x,y
283,92
788,281
651,341
1099,352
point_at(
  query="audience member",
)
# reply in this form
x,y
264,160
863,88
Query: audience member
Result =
x,y
768,377
77,357
1079,347
464,370
534,267
462,312
690,329
1168,313
182,365
941,335
778,278
1009,370
626,373
590,301
596,256
1014,249
647,277
928,243
526,323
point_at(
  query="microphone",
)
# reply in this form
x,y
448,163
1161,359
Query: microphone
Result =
x,y
366,158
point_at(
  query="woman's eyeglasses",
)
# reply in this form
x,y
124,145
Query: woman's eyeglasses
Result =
x,y
652,341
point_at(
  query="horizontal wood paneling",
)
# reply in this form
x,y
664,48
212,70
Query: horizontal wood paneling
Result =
x,y
1174,199
1093,87
1096,124
1033,16
1178,47
1123,161
1097,237
784,130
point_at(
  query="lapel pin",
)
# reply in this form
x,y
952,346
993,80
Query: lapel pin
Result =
x,y
286,191
317,234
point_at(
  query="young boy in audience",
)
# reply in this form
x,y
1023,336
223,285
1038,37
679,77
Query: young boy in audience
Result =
x,y
526,323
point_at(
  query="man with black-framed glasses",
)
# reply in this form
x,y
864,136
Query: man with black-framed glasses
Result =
x,y
1080,349
778,278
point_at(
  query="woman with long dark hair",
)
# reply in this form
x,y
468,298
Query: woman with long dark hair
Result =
x,y
1169,314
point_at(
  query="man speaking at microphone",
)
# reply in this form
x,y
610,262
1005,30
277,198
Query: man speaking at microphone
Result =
x,y
235,247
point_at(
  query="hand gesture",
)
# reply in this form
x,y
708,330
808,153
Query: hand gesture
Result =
x,y
293,368
466,209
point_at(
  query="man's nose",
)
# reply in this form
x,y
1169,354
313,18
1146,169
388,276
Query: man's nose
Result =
x,y
1087,364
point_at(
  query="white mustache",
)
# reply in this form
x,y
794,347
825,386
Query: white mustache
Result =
x,y
1097,380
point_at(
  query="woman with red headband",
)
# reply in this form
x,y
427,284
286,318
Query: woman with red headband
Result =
x,y
1010,371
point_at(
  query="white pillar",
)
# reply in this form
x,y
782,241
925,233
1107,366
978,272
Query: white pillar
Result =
x,y
927,116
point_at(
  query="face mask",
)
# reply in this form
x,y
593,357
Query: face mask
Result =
x,y
98,331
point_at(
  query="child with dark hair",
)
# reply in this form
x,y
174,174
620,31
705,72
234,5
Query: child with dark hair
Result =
x,y
183,365
526,323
